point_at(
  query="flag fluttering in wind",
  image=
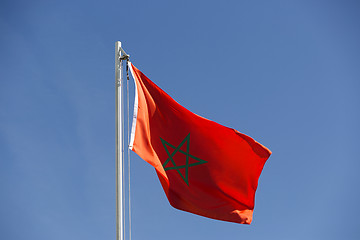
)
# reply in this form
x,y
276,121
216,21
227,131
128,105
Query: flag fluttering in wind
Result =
x,y
204,168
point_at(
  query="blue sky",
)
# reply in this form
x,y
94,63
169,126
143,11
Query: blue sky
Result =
x,y
283,72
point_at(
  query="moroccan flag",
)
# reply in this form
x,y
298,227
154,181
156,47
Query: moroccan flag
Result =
x,y
204,167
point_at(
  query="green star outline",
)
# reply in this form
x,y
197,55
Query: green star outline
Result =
x,y
177,149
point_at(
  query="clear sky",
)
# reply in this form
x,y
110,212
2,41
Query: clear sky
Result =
x,y
286,73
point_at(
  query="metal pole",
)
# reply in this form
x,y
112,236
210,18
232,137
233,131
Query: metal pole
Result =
x,y
118,143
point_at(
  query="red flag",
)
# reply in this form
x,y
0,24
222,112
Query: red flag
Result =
x,y
204,168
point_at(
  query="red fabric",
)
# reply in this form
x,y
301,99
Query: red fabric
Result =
x,y
217,167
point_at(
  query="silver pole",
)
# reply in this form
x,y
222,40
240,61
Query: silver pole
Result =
x,y
118,143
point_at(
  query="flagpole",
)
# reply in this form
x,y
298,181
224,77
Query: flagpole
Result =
x,y
119,143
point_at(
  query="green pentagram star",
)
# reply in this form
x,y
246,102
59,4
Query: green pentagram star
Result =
x,y
187,154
